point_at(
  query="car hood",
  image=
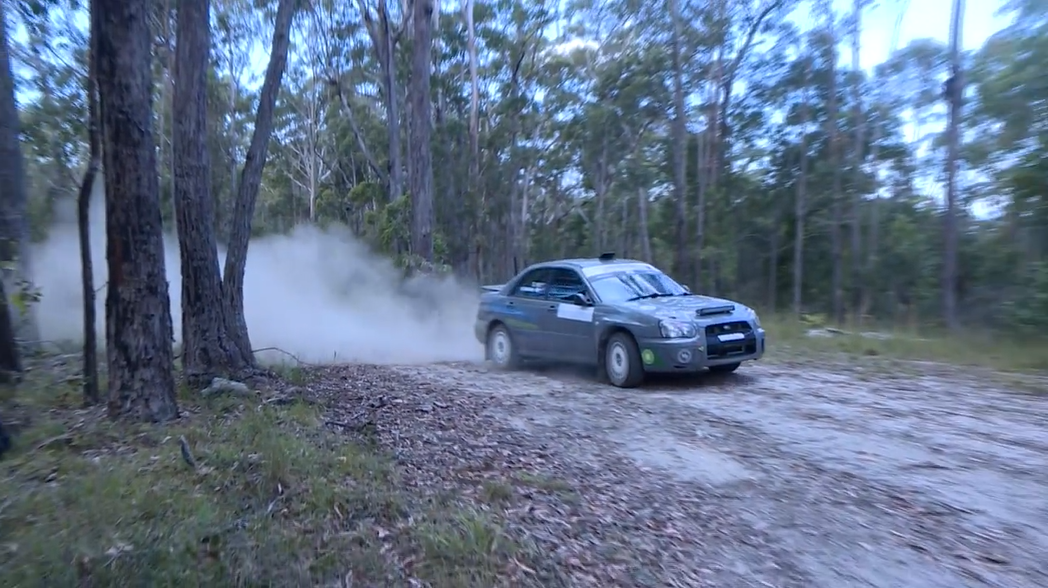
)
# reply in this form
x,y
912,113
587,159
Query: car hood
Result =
x,y
683,307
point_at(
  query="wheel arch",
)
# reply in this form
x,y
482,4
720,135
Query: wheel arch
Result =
x,y
606,335
492,324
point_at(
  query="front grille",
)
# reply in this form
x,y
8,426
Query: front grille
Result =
x,y
730,327
717,349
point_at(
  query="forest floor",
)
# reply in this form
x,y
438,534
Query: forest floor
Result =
x,y
804,470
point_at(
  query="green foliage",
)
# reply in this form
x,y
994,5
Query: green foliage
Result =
x,y
393,224
571,133
274,498
1029,311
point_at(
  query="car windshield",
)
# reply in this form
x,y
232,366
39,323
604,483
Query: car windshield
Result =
x,y
634,285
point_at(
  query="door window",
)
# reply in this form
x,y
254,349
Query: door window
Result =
x,y
565,284
532,285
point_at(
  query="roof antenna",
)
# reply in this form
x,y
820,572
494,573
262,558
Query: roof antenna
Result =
x,y
607,256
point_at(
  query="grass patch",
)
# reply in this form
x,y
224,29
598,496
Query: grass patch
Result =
x,y
493,491
274,499
464,549
787,336
551,485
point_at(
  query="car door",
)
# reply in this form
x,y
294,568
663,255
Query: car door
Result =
x,y
524,309
568,325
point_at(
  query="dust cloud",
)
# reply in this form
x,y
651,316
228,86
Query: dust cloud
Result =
x,y
319,295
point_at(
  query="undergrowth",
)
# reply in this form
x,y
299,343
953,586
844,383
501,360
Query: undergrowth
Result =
x,y
272,497
788,336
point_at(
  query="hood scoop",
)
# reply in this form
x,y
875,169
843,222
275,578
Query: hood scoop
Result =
x,y
712,310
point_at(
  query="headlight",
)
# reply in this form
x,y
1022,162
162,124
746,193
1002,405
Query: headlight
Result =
x,y
677,329
752,315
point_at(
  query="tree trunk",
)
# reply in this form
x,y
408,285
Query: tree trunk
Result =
x,y
384,39
773,259
800,204
474,100
207,350
642,220
474,187
679,146
956,98
251,180
14,225
389,71
858,283
138,310
83,213
836,206
872,240
10,356
420,151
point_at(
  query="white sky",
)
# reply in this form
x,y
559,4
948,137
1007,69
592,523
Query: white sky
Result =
x,y
922,19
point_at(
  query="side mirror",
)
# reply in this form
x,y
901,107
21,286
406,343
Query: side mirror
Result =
x,y
580,299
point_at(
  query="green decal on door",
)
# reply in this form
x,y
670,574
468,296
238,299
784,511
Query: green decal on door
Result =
x,y
647,356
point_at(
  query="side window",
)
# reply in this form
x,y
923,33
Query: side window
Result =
x,y
564,283
532,285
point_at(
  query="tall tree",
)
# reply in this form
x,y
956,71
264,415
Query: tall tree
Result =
x,y
421,130
83,215
14,224
679,138
858,157
385,34
138,310
10,355
955,96
207,348
251,179
836,204
800,205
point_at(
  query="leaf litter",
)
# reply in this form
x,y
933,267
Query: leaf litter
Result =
x,y
769,477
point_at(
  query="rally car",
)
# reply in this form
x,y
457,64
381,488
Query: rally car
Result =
x,y
626,317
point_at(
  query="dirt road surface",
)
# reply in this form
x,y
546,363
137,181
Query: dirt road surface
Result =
x,y
782,474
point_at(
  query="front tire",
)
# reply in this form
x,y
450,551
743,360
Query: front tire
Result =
x,y
622,364
501,349
725,368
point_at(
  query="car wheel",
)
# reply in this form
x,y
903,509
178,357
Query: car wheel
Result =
x,y
501,350
622,362
725,368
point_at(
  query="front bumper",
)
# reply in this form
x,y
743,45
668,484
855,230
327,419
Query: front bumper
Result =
x,y
698,353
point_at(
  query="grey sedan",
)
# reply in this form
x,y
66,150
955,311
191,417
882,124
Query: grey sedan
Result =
x,y
626,317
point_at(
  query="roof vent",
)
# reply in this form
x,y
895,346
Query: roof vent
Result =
x,y
607,256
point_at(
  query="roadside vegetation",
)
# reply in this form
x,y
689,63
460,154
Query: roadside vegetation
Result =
x,y
725,142
243,490
993,349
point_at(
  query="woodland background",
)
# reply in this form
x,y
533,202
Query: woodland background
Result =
x,y
718,140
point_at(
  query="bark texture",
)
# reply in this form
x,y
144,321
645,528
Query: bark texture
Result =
x,y
14,225
251,180
83,213
207,349
420,151
138,309
10,356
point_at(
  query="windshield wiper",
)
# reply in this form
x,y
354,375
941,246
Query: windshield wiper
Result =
x,y
646,296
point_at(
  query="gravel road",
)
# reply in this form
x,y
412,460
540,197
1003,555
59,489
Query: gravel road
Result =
x,y
782,474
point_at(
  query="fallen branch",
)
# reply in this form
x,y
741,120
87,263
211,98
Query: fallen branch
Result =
x,y
287,353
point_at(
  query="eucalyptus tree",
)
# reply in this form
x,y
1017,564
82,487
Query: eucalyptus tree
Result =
x,y
139,333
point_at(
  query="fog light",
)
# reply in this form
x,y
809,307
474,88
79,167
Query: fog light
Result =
x,y
683,356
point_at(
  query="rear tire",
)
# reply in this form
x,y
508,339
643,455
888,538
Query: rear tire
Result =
x,y
501,349
622,365
725,368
